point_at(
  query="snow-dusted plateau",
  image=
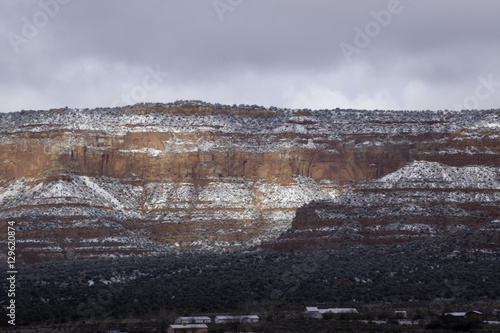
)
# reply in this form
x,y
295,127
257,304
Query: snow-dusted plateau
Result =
x,y
190,175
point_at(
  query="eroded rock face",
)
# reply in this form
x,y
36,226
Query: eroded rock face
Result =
x,y
85,183
419,201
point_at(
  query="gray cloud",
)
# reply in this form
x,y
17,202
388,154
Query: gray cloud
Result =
x,y
429,55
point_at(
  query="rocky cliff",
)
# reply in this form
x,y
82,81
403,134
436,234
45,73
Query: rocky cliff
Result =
x,y
420,201
184,175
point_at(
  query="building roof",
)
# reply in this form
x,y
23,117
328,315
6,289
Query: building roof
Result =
x,y
194,318
339,310
331,310
238,317
456,314
475,312
188,326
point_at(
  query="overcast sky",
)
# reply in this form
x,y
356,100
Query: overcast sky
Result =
x,y
364,54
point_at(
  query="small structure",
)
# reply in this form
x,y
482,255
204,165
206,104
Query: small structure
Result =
x,y
474,315
232,319
193,320
188,328
315,313
400,314
456,316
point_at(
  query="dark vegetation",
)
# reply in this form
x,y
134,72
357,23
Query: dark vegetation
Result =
x,y
427,277
282,325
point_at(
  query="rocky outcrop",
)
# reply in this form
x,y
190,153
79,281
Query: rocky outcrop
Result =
x,y
420,201
145,178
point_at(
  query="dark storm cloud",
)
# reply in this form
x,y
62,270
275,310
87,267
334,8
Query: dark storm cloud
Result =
x,y
425,54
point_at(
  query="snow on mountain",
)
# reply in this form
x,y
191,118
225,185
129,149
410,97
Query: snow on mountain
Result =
x,y
190,175
437,175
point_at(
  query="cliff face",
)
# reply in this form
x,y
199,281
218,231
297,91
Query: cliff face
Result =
x,y
85,183
419,201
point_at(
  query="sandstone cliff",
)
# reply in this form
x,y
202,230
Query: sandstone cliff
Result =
x,y
145,178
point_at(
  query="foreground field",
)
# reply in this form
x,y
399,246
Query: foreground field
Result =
x,y
269,325
423,278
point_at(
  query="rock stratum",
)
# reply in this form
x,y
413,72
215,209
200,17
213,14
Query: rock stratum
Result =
x,y
191,175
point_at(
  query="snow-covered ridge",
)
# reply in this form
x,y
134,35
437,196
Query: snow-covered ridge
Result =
x,y
318,122
421,189
113,194
420,200
265,208
437,175
211,211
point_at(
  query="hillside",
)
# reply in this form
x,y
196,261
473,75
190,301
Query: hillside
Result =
x,y
419,201
191,175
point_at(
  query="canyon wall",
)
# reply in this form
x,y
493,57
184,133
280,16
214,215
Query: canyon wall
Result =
x,y
192,175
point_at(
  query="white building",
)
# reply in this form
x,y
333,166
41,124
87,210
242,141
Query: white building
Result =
x,y
232,319
315,313
400,314
188,328
455,314
193,320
